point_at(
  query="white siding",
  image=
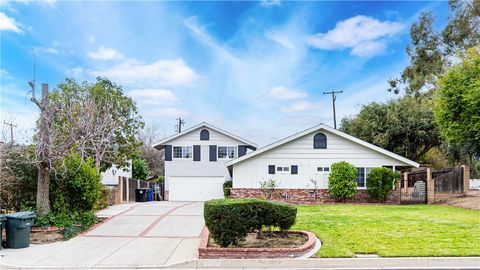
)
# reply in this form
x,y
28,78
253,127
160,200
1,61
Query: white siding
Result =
x,y
110,176
300,152
204,167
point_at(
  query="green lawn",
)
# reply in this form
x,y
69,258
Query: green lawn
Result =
x,y
392,230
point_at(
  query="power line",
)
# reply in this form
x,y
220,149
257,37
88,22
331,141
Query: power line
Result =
x,y
334,98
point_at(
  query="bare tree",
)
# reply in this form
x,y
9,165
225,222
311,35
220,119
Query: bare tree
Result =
x,y
148,136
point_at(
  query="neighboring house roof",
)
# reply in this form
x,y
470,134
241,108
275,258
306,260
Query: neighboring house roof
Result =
x,y
163,142
329,129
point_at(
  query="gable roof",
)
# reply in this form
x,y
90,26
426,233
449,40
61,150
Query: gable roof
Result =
x,y
329,129
159,144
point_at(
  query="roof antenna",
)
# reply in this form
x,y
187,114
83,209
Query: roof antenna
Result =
x,y
32,83
178,127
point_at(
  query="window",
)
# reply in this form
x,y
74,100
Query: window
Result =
x,y
204,135
283,169
320,141
323,169
227,151
182,152
360,177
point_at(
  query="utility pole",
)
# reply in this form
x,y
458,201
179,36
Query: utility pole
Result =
x,y
333,101
178,126
11,129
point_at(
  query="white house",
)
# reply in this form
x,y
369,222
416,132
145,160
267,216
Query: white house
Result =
x,y
303,159
195,160
110,176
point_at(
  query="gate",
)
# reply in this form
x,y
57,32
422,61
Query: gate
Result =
x,y
414,189
449,180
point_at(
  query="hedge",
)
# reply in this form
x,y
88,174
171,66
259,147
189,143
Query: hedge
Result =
x,y
230,220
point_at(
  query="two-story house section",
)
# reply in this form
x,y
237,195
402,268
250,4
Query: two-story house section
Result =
x,y
195,160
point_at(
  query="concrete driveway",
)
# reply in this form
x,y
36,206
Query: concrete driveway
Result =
x,y
151,234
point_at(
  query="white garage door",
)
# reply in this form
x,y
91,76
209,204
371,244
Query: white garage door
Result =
x,y
188,188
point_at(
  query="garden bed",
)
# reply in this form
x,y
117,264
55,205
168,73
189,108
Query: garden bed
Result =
x,y
45,235
296,244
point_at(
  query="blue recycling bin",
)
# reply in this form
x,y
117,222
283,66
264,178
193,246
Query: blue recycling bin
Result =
x,y
150,195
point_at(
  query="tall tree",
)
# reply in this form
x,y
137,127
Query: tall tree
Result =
x,y
108,120
148,136
431,52
405,126
457,106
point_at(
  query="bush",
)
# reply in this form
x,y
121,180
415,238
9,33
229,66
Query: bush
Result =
x,y
72,223
268,187
380,181
102,202
341,181
230,220
227,186
78,188
18,179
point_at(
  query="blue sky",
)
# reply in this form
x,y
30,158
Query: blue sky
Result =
x,y
257,69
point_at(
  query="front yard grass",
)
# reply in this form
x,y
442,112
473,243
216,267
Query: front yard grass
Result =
x,y
392,230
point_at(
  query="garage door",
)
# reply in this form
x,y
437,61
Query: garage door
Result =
x,y
183,188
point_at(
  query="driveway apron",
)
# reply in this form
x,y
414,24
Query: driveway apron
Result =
x,y
148,235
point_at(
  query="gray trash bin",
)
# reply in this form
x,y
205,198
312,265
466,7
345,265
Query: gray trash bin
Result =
x,y
18,229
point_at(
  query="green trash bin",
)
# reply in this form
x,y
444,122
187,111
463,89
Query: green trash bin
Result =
x,y
3,222
18,229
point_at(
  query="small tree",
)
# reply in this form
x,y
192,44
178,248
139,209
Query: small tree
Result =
x,y
268,187
341,181
139,169
380,181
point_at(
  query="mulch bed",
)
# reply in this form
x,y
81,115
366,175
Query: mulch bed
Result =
x,y
269,240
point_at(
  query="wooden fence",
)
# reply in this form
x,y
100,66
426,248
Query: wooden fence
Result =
x,y
127,186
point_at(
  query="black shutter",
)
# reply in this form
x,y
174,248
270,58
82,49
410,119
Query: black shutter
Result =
x,y
242,150
196,153
168,153
213,153
271,169
294,169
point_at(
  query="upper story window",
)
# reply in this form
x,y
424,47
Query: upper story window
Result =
x,y
227,151
320,141
204,135
182,152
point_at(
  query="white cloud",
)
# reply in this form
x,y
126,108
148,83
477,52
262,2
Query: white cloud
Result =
x,y
160,73
300,106
270,3
45,50
8,24
105,54
284,93
153,96
365,36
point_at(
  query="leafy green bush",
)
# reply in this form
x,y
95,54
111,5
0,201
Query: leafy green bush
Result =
x,y
341,181
227,186
18,176
139,169
78,188
72,223
229,220
380,181
102,202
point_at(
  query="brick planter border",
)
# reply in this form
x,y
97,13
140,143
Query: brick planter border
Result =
x,y
44,235
205,252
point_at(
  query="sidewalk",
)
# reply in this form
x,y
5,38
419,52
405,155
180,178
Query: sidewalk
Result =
x,y
340,263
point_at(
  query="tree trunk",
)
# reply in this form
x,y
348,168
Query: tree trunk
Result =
x,y
43,194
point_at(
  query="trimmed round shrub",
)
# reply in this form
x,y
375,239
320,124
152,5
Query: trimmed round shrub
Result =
x,y
380,181
341,181
230,220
